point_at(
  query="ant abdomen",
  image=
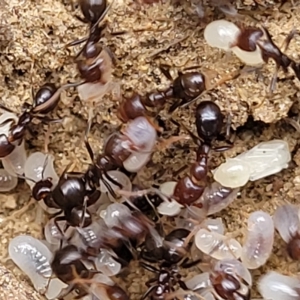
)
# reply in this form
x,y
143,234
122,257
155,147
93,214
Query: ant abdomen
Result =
x,y
43,95
92,10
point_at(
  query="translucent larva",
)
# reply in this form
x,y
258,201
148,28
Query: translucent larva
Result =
x,y
221,34
259,240
216,245
7,181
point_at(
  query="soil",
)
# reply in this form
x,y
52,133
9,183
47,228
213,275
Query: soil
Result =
x,y
32,39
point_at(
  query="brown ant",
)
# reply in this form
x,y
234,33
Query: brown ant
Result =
x,y
186,87
172,249
229,287
250,39
45,100
209,123
67,265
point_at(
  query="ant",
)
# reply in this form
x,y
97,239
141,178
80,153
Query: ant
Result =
x,y
253,46
251,38
209,123
186,87
68,266
73,193
45,100
170,254
172,249
229,287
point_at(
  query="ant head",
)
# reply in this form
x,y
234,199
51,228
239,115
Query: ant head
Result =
x,y
42,189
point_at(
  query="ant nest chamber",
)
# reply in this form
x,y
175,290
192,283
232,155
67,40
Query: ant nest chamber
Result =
x,y
244,198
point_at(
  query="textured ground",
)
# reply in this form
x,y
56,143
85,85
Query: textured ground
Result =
x,y
32,36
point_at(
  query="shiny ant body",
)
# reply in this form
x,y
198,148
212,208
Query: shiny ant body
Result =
x,y
45,100
68,266
251,38
185,88
209,123
92,63
171,255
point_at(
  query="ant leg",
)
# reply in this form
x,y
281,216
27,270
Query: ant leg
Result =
x,y
188,264
168,142
56,220
76,42
194,137
102,16
55,96
83,20
288,39
150,290
165,69
149,267
85,201
150,281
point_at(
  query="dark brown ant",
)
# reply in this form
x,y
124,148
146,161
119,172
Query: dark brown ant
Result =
x,y
229,287
164,282
186,87
209,123
172,249
251,38
45,100
68,266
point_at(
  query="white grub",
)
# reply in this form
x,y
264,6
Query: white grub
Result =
x,y
89,235
169,208
233,173
54,288
114,214
107,264
265,159
216,245
214,225
36,169
221,34
33,258
250,58
52,233
142,136
7,181
286,221
217,197
259,240
235,268
199,281
275,286
94,92
14,162
118,177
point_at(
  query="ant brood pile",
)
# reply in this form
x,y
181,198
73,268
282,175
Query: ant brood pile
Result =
x,y
102,219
